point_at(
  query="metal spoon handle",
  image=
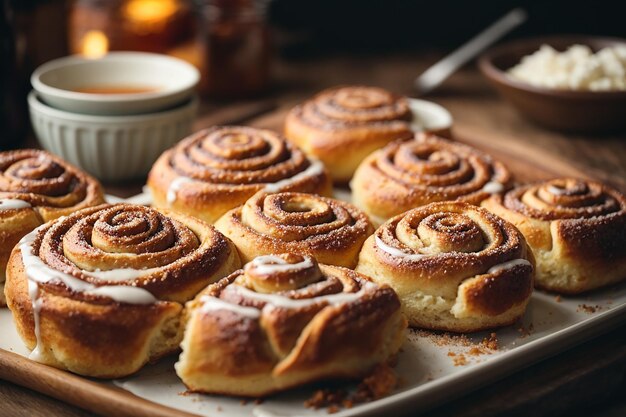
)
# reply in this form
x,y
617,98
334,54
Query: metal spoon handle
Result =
x,y
438,73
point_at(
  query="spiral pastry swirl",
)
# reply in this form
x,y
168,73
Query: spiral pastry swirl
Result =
x,y
408,174
285,320
100,292
576,228
341,126
330,230
217,169
455,266
36,187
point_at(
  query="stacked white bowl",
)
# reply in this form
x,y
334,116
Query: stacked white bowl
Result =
x,y
114,136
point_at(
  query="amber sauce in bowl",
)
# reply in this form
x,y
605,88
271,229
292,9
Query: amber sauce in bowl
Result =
x,y
113,89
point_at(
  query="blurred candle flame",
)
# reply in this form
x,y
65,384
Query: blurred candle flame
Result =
x,y
149,16
95,44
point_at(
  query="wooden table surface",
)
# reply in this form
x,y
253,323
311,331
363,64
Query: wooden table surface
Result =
x,y
587,380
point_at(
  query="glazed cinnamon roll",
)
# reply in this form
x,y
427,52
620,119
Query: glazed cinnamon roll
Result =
x,y
455,266
101,291
341,126
36,187
331,230
218,169
576,228
284,321
409,174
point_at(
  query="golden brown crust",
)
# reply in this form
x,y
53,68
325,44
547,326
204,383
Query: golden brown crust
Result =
x,y
342,125
242,340
331,230
439,259
109,324
576,228
48,187
217,169
412,173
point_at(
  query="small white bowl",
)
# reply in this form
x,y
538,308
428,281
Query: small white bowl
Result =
x,y
112,148
172,79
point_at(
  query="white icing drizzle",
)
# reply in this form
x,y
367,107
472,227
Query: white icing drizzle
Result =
x,y
33,293
210,303
124,293
508,265
556,190
271,264
38,272
314,169
397,252
120,274
13,203
176,185
286,302
493,187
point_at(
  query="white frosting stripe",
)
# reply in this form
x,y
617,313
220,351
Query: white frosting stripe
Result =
x,y
213,303
556,190
176,185
397,252
124,294
286,302
316,168
13,204
270,264
508,265
493,187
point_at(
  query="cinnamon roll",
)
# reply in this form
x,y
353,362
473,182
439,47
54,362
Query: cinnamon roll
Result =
x,y
341,126
409,174
36,187
284,321
331,230
218,169
101,291
576,228
455,266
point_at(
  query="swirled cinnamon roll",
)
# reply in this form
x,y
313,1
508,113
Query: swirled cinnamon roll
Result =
x,y
218,169
409,174
576,228
101,291
36,187
455,266
331,230
341,126
284,321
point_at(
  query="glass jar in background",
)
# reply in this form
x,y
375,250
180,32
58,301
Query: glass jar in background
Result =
x,y
237,48
159,26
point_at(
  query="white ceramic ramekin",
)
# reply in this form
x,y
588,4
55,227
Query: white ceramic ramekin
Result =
x,y
172,79
112,148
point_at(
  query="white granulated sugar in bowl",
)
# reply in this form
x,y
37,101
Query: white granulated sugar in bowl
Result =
x,y
577,68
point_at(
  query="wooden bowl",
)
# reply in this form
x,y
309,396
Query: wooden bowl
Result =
x,y
565,110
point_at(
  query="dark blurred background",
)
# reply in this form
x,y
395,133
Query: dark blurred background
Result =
x,y
35,31
369,26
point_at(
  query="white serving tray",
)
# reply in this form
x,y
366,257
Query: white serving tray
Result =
x,y
429,369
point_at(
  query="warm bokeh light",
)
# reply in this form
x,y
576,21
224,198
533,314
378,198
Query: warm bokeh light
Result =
x,y
148,16
94,44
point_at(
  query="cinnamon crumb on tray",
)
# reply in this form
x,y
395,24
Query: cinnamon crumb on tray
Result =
x,y
586,308
374,386
491,342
